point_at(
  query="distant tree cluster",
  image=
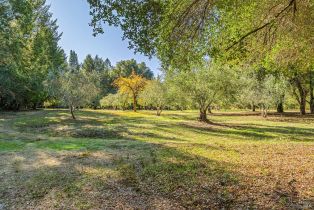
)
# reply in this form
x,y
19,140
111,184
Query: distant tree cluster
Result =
x,y
86,85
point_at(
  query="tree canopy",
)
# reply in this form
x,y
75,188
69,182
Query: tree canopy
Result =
x,y
275,35
29,52
132,85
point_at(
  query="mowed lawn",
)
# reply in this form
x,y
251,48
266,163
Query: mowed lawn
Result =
x,y
125,160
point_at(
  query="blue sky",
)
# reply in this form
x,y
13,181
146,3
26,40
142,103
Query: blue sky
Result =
x,y
73,18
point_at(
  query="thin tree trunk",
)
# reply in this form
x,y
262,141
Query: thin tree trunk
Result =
x,y
253,107
159,110
264,110
302,97
209,110
303,105
34,106
72,112
134,103
312,101
311,94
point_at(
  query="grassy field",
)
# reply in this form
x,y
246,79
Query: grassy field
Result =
x,y
126,160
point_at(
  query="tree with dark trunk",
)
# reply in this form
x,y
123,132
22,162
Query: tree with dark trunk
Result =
x,y
312,101
300,95
311,93
206,84
253,107
203,112
280,107
203,116
72,112
134,101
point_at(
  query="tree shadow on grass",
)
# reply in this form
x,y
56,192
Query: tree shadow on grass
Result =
x,y
111,170
112,126
253,131
134,174
141,172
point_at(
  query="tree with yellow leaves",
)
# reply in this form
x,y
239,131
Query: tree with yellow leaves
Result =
x,y
132,85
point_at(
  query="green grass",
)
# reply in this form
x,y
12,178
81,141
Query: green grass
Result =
x,y
121,159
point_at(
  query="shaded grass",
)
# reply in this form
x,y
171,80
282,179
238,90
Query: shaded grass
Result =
x,y
116,159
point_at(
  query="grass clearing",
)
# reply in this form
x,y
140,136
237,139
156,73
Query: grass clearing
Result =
x,y
121,159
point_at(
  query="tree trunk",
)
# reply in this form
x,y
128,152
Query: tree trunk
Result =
x,y
209,110
264,111
311,94
303,105
302,96
72,112
159,110
312,102
280,107
253,107
134,102
203,115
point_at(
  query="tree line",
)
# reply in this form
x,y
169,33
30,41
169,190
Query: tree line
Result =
x,y
29,52
212,56
84,85
34,69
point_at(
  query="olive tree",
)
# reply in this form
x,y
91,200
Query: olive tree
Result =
x,y
272,92
115,101
154,94
206,84
77,89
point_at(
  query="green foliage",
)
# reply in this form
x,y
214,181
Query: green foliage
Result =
x,y
132,85
29,51
73,61
143,18
206,84
115,101
185,31
77,89
155,95
126,67
88,64
275,34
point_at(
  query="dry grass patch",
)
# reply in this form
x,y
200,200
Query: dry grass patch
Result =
x,y
116,159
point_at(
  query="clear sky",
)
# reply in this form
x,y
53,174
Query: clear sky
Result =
x,y
73,18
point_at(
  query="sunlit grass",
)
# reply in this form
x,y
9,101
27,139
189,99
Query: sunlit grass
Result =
x,y
105,156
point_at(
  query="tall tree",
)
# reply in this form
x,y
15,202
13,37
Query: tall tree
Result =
x,y
99,64
126,67
182,33
29,49
89,64
73,61
183,30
